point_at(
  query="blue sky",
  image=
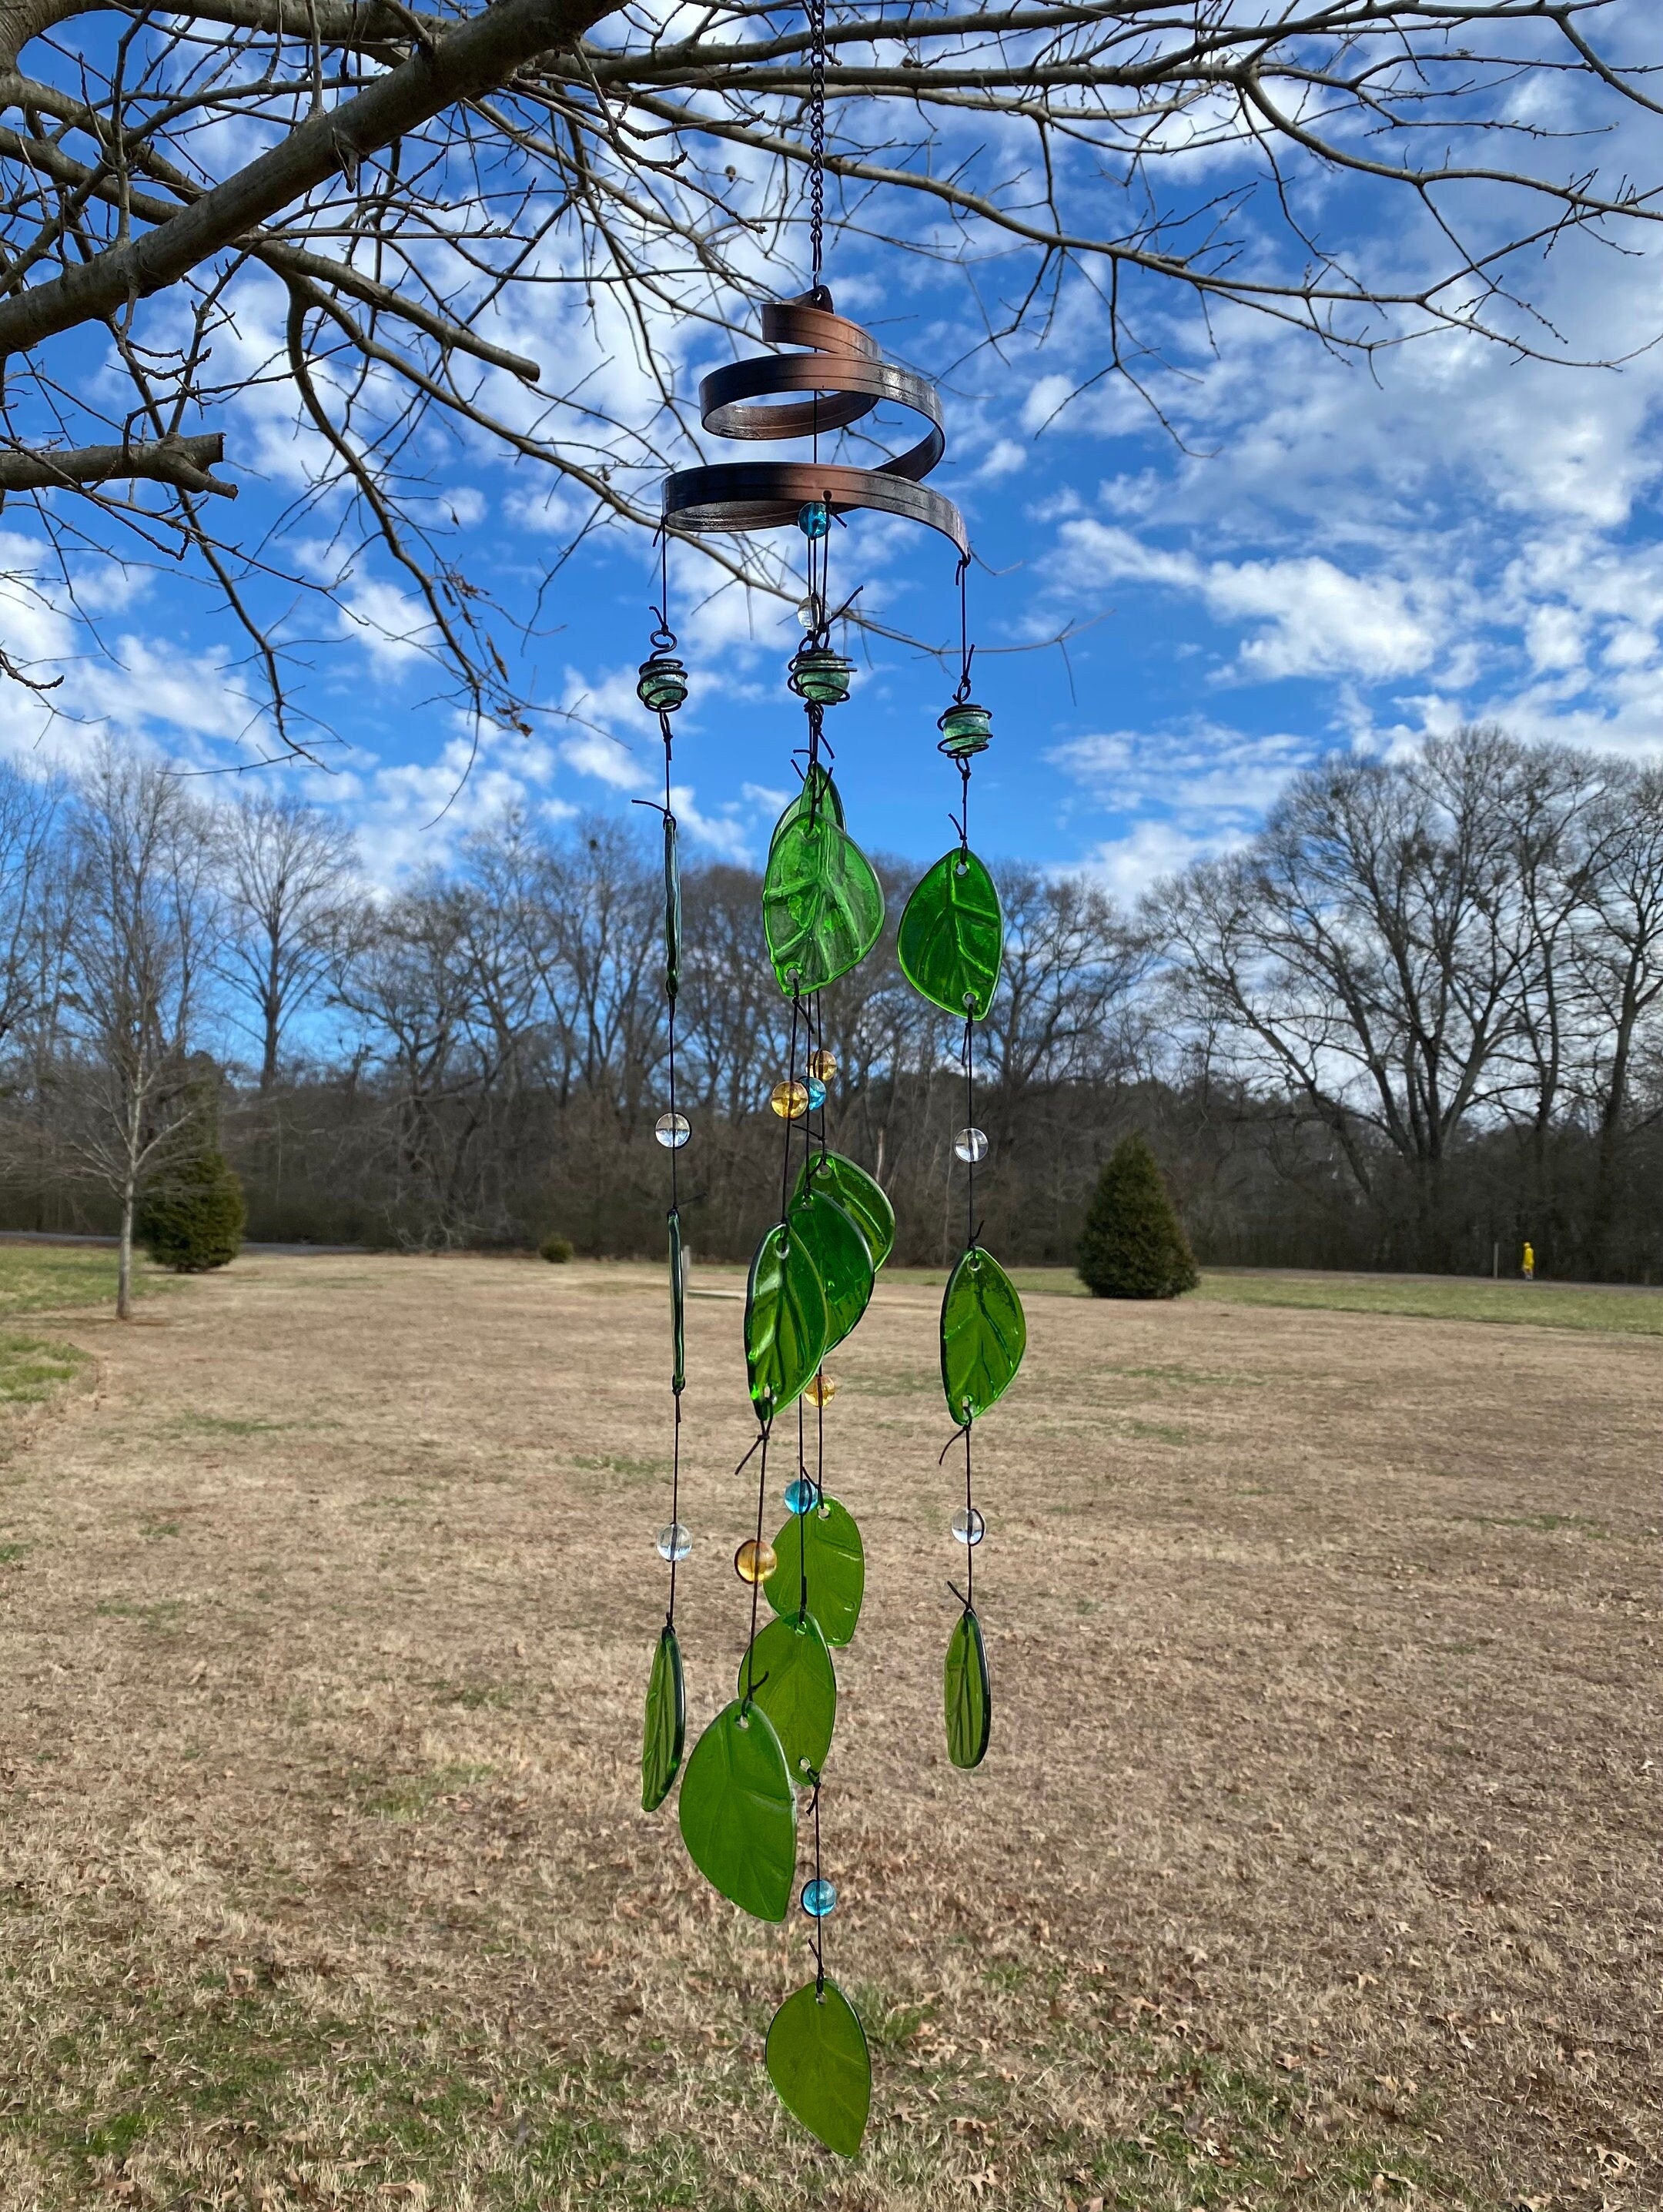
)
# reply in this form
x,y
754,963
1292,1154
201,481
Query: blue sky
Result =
x,y
1314,552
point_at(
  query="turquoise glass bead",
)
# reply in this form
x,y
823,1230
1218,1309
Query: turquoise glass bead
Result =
x,y
819,1897
801,1495
816,1094
814,519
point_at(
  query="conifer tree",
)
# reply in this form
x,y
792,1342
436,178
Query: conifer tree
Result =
x,y
1133,1244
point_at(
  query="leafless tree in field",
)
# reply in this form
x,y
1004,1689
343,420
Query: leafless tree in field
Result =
x,y
291,876
375,226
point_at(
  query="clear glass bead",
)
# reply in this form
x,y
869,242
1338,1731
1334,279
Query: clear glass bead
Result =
x,y
816,1090
808,612
672,1131
821,1390
819,1897
970,1144
675,1540
822,1065
753,1561
814,519
790,1101
968,1525
802,1494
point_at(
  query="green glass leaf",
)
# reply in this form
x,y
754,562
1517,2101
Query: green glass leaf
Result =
x,y
969,1694
823,906
984,1334
952,935
820,2066
665,1730
786,1322
790,1676
842,1259
819,795
677,1306
672,911
825,1543
857,1194
739,1812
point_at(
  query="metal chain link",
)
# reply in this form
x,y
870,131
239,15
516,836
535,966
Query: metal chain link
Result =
x,y
816,17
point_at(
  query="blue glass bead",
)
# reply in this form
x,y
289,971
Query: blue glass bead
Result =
x,y
801,1495
814,520
816,1094
819,1897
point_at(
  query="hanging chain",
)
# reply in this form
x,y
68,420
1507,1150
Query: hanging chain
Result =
x,y
816,19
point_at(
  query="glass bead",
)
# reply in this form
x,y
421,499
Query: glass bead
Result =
x,y
819,1897
672,1131
808,612
661,683
675,1541
822,1065
968,1526
753,1561
817,1091
970,1144
820,1391
814,519
802,1494
819,674
790,1101
966,730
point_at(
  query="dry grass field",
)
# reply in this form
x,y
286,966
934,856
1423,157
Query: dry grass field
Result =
x,y
1315,1863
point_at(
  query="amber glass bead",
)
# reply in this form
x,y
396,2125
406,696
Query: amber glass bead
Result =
x,y
820,1391
822,1065
790,1101
753,1561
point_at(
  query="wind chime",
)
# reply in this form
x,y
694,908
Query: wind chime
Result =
x,y
756,1775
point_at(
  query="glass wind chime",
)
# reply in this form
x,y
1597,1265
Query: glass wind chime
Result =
x,y
756,1775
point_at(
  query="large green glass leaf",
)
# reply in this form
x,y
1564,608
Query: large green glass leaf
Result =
x,y
984,1334
672,911
739,1812
818,796
968,1695
824,1544
665,1730
842,1259
952,935
677,1306
786,1322
857,1194
823,905
819,2064
790,1676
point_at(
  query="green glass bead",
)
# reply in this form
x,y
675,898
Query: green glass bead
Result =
x,y
661,683
821,676
966,730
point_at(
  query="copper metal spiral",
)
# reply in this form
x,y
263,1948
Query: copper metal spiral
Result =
x,y
845,377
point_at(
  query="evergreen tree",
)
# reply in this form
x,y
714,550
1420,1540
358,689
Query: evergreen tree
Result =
x,y
1133,1244
193,1220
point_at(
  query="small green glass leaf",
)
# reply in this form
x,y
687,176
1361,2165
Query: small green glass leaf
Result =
x,y
842,1259
672,911
786,1322
969,1694
824,1543
984,1334
823,905
677,1306
819,796
857,1194
665,1730
820,2066
952,936
790,1676
739,1812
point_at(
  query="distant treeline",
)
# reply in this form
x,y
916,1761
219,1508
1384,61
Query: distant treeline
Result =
x,y
1415,1020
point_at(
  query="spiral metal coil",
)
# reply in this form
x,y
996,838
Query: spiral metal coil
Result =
x,y
846,377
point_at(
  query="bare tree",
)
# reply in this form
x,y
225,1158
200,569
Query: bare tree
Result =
x,y
433,185
144,918
292,886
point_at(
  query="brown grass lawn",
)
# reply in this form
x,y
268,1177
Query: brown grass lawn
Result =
x,y
1315,1863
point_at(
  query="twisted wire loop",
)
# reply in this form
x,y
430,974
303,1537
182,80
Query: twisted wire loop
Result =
x,y
845,376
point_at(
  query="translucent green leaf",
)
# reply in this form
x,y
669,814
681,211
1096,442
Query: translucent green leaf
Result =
x,y
952,935
842,1259
824,1544
789,1673
857,1194
739,1812
665,1730
820,2066
677,1306
984,1334
968,1695
818,796
786,1322
823,906
672,911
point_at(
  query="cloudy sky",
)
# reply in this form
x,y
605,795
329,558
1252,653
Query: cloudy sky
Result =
x,y
1272,552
